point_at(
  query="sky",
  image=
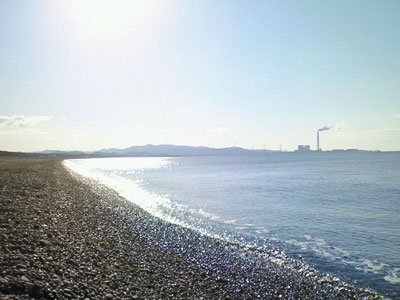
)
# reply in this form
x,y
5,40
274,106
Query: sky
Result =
x,y
87,74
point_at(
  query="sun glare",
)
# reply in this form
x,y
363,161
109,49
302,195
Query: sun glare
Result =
x,y
105,19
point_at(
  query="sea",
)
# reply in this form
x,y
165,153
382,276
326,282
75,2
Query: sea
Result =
x,y
338,212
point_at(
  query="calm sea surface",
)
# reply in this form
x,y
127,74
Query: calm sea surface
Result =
x,y
338,212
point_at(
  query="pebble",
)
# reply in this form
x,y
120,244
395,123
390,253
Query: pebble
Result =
x,y
36,291
44,243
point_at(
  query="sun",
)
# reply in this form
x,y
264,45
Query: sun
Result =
x,y
106,19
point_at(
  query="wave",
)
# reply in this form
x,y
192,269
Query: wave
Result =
x,y
323,249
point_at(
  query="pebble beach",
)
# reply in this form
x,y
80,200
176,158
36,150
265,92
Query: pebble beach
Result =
x,y
66,237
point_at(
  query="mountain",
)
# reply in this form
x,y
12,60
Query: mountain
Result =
x,y
157,150
63,152
174,150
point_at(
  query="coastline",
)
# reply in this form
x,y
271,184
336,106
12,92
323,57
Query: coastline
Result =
x,y
63,237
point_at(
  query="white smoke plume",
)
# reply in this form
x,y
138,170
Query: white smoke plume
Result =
x,y
329,127
326,127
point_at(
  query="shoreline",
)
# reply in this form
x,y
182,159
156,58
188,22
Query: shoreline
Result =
x,y
63,236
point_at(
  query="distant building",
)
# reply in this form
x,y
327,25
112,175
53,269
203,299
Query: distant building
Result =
x,y
303,148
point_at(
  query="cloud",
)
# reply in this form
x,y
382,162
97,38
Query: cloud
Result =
x,y
20,124
21,121
397,116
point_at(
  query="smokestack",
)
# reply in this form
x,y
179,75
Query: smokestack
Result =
x,y
326,127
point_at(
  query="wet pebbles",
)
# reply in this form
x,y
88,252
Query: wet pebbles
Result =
x,y
63,237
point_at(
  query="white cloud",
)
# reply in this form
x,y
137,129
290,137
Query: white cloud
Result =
x,y
21,121
22,125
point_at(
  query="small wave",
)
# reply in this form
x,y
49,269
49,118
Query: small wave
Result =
x,y
394,276
373,266
230,222
208,215
242,227
263,231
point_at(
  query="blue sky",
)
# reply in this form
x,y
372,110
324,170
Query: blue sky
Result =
x,y
97,74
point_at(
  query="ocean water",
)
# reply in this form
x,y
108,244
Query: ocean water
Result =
x,y
337,212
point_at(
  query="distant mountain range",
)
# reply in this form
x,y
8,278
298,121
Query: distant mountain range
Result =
x,y
157,150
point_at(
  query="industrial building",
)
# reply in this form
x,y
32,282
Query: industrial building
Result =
x,y
303,148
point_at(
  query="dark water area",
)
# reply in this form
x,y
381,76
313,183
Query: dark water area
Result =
x,y
337,212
